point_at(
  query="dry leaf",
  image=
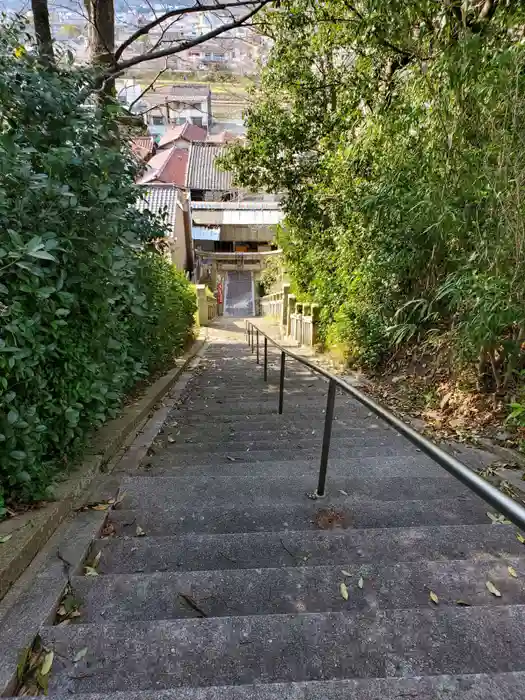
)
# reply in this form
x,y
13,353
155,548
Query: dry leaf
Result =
x,y
232,459
343,492
80,654
498,519
492,588
170,439
90,571
512,571
520,538
61,611
5,538
139,531
433,597
100,506
75,613
96,560
344,591
361,583
48,662
463,603
346,573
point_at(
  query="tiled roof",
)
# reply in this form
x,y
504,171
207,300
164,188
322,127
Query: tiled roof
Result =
x,y
142,146
188,132
168,166
222,137
202,173
160,200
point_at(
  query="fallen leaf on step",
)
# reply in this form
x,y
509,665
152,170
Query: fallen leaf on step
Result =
x,y
90,571
512,571
75,613
346,573
5,538
96,560
343,492
344,591
101,506
361,583
232,459
80,654
498,519
463,603
170,439
139,531
61,611
492,588
433,597
48,662
520,538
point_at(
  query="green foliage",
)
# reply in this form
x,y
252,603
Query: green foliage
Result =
x,y
394,133
272,272
85,310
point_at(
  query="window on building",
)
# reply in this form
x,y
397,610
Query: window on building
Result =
x,y
157,121
197,121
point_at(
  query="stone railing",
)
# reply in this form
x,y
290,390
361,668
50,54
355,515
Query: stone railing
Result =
x,y
272,305
298,320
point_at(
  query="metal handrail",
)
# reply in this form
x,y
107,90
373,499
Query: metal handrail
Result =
x,y
498,500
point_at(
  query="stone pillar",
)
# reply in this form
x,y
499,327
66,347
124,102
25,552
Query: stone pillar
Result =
x,y
214,274
315,323
202,304
291,310
284,310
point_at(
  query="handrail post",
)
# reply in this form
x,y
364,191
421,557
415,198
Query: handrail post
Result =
x,y
252,336
327,435
265,359
257,336
281,382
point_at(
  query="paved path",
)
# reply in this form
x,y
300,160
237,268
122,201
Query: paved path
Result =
x,y
225,581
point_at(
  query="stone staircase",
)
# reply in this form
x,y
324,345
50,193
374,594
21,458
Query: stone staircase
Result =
x,y
234,590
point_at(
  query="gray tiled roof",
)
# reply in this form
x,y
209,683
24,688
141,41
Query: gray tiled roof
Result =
x,y
202,173
161,200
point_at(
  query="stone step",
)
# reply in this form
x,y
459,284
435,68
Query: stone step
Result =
x,y
500,686
310,515
350,467
201,552
346,440
124,598
272,648
163,493
265,430
212,459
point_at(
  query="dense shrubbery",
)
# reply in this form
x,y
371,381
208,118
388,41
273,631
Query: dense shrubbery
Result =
x,y
395,132
85,311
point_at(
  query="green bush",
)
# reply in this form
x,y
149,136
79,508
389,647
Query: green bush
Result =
x,y
393,133
85,309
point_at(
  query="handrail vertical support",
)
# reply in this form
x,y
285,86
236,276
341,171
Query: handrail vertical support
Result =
x,y
252,336
257,337
265,359
327,436
281,382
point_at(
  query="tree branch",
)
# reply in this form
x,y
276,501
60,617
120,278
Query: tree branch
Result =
x,y
181,11
161,72
123,65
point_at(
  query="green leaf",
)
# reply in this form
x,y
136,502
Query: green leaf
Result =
x,y
12,416
18,455
42,255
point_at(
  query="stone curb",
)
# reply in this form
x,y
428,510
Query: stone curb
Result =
x,y
30,531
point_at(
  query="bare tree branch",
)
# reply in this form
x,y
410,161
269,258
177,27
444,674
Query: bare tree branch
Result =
x,y
135,60
161,72
199,7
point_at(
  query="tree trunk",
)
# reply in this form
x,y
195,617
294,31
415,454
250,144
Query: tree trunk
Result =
x,y
101,39
43,31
